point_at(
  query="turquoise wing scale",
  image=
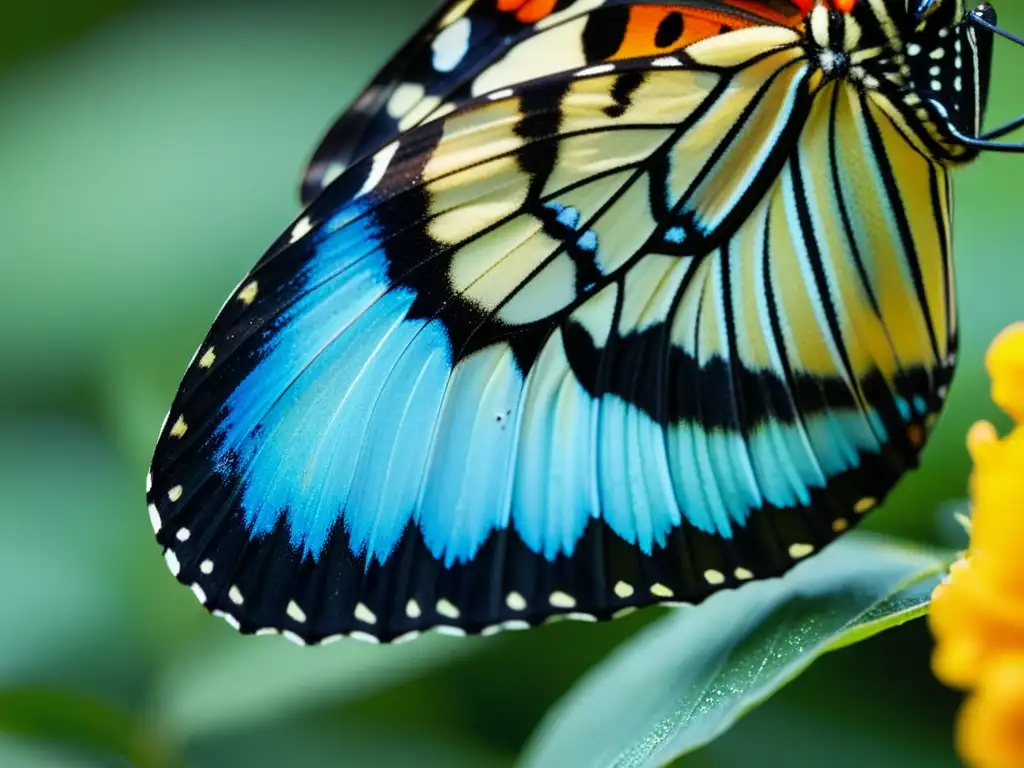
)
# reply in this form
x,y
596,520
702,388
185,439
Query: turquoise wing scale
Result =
x,y
631,333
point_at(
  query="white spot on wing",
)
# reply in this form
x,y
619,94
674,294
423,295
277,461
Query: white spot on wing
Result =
x,y
515,601
172,561
562,600
381,161
711,576
797,551
183,534
235,595
451,45
444,629
447,610
302,228
865,505
154,518
600,69
364,614
206,567
364,637
405,97
248,293
295,612
498,95
412,610
200,593
289,635
180,428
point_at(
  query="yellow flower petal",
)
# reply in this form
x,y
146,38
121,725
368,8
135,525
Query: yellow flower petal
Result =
x,y
974,620
990,733
1005,364
997,491
977,614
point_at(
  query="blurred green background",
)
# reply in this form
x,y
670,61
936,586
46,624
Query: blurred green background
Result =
x,y
149,151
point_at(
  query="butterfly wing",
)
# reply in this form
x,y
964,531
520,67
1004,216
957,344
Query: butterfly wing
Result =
x,y
470,48
563,352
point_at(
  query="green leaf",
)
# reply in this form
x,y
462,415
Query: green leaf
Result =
x,y
688,678
246,681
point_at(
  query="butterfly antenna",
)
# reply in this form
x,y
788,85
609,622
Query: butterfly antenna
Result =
x,y
987,140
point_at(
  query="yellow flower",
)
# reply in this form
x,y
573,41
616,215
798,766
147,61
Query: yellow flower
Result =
x,y
991,728
977,615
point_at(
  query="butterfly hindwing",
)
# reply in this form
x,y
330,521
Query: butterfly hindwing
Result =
x,y
477,46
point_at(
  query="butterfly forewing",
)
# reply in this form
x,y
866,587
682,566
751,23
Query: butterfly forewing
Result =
x,y
469,48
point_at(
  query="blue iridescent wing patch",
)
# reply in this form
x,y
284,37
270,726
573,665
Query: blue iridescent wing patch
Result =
x,y
565,351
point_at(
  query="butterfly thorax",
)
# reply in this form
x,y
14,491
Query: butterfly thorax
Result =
x,y
924,65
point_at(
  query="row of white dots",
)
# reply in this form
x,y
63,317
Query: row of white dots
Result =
x,y
514,600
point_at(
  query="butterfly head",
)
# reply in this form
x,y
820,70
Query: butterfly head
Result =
x,y
947,60
926,59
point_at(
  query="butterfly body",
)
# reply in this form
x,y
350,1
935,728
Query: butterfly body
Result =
x,y
594,305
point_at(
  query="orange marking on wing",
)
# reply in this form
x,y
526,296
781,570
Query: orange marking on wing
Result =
x,y
698,24
528,11
846,6
641,29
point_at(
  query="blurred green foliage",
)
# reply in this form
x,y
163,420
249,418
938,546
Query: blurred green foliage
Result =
x,y
148,153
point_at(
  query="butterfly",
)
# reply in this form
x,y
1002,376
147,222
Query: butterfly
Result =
x,y
594,304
